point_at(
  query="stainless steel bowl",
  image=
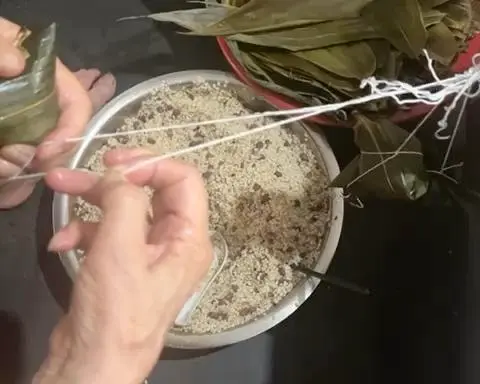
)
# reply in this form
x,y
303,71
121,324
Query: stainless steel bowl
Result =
x,y
112,116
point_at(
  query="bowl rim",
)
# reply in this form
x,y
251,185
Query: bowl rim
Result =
x,y
296,297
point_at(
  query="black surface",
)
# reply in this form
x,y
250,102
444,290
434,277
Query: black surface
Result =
x,y
421,325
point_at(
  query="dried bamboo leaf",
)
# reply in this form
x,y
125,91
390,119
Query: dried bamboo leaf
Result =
x,y
259,75
347,175
313,36
429,4
289,61
292,76
391,65
354,61
28,103
380,172
267,15
441,44
324,34
256,70
432,17
459,14
381,49
405,30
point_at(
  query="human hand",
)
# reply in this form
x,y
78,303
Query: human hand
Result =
x,y
138,272
78,95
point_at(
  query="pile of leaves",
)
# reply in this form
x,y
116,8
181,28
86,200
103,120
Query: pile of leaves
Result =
x,y
318,51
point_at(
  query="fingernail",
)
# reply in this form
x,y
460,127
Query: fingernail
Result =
x,y
111,79
115,174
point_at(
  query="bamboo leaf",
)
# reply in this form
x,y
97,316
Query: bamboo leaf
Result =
x,y
324,34
314,36
192,19
441,44
28,103
290,61
382,172
400,22
458,14
349,173
432,17
267,15
355,61
381,49
261,77
292,76
429,4
392,66
258,75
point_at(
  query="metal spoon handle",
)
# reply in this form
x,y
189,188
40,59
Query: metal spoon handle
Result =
x,y
332,280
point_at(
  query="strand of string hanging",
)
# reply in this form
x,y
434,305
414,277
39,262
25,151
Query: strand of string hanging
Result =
x,y
434,93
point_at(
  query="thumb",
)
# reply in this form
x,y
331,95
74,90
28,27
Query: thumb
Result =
x,y
12,61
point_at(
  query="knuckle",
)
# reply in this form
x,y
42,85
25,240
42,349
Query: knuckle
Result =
x,y
202,253
193,174
123,191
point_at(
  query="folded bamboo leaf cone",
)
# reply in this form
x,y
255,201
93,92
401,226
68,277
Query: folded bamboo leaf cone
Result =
x,y
28,103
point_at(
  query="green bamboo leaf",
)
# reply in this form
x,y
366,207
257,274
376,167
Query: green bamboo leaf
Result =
x,y
459,14
441,44
192,19
390,164
267,15
354,61
400,22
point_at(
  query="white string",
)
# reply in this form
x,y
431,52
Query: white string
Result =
x,y
430,65
454,134
215,142
453,166
433,93
394,92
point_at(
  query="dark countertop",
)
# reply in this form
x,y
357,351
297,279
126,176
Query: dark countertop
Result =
x,y
418,260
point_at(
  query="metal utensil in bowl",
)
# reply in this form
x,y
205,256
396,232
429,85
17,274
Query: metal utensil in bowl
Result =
x,y
113,115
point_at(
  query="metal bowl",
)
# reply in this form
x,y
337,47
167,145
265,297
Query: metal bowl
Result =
x,y
112,116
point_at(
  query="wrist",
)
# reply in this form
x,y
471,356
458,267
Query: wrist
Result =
x,y
79,371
